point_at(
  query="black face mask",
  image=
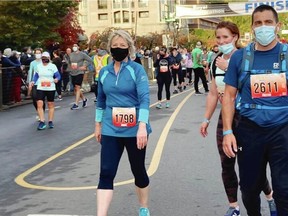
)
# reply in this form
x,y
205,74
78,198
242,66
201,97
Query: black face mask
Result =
x,y
119,54
45,60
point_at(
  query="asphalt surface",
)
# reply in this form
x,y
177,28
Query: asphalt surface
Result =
x,y
56,171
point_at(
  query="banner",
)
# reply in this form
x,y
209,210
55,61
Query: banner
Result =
x,y
226,9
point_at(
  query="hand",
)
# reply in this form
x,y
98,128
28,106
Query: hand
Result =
x,y
229,145
55,80
31,84
203,129
221,63
82,68
142,136
97,133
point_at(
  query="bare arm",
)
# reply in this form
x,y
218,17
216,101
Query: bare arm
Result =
x,y
211,103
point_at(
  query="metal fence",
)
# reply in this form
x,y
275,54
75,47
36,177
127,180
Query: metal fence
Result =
x,y
13,87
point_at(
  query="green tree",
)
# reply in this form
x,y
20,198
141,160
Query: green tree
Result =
x,y
31,23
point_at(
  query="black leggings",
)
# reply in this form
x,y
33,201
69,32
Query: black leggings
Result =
x,y
164,78
189,74
111,152
199,73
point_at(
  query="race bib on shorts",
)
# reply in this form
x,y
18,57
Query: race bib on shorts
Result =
x,y
268,85
124,117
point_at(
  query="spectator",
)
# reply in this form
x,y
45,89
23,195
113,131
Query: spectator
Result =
x,y
16,78
7,74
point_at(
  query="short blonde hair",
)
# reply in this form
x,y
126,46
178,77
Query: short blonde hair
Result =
x,y
126,36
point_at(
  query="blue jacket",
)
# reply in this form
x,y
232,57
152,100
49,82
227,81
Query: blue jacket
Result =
x,y
129,88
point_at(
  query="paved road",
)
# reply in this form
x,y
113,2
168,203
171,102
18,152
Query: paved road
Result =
x,y
55,171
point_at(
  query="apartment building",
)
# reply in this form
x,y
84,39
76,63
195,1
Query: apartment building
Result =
x,y
138,16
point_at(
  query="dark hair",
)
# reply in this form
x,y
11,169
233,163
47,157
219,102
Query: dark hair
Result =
x,y
232,27
264,7
163,49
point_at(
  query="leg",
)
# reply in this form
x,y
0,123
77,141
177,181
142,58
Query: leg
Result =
x,y
34,96
196,79
137,163
160,83
203,79
252,163
168,80
50,99
77,90
278,151
229,176
111,152
40,110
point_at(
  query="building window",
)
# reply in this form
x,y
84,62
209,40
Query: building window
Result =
x,y
102,4
125,3
116,4
117,17
126,16
143,14
83,19
133,17
83,4
103,16
143,3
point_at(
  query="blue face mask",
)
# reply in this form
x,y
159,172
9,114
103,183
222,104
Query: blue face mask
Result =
x,y
264,35
226,48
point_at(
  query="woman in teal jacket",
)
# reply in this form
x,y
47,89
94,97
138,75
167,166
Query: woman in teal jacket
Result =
x,y
122,120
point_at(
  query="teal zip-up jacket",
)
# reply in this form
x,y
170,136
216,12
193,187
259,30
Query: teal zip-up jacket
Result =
x,y
129,88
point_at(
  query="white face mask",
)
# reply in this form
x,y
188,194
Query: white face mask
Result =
x,y
75,49
38,55
265,34
226,48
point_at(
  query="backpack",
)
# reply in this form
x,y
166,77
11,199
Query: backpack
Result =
x,y
246,71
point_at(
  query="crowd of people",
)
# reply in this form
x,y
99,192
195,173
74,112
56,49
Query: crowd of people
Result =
x,y
250,83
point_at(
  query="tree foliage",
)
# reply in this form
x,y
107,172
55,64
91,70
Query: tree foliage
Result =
x,y
30,23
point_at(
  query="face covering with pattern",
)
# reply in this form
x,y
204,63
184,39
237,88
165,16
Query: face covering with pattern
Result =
x,y
119,54
264,35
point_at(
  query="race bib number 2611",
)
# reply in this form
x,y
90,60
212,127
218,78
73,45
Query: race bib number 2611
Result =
x,y
268,85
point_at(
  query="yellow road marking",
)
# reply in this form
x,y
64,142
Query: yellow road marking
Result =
x,y
20,180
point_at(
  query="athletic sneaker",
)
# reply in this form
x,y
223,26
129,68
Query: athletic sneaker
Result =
x,y
159,106
272,207
198,93
232,212
85,102
167,104
50,124
144,212
41,125
175,92
75,107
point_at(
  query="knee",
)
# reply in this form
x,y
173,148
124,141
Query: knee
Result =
x,y
106,179
141,178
